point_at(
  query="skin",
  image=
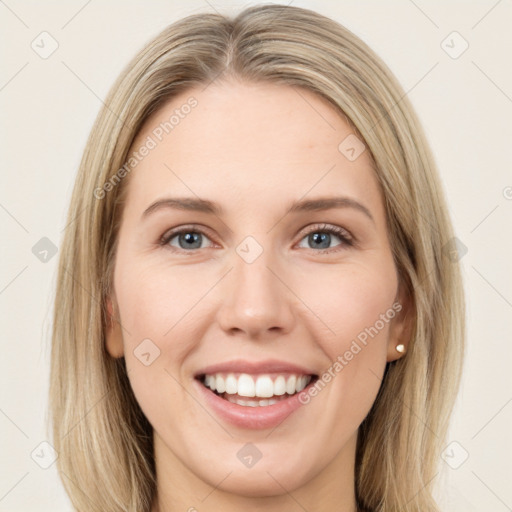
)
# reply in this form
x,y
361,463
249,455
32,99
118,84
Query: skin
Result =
x,y
253,149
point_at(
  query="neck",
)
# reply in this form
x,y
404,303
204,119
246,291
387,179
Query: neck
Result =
x,y
179,489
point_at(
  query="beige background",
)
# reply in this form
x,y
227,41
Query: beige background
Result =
x,y
48,107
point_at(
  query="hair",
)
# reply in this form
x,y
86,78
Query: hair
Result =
x,y
104,441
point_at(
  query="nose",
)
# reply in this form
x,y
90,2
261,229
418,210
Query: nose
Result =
x,y
256,301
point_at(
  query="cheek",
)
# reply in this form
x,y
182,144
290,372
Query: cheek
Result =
x,y
353,303
156,302
359,311
157,332
355,306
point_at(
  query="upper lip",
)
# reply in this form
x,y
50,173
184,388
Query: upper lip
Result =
x,y
254,367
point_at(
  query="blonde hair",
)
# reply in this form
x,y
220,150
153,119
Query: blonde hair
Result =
x,y
104,441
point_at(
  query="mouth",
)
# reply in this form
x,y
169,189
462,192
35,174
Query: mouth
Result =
x,y
256,390
253,394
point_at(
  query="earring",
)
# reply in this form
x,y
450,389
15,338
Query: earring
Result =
x,y
400,348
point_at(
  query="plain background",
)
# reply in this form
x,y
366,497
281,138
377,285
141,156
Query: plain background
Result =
x,y
465,104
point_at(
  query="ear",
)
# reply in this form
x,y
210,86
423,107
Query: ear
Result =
x,y
113,334
402,325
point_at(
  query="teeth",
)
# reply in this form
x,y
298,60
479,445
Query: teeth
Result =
x,y
260,386
220,384
246,386
280,386
264,387
253,403
290,384
231,385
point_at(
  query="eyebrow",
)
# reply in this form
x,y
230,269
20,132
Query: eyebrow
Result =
x,y
184,203
327,203
309,205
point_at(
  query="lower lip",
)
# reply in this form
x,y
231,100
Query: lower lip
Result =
x,y
260,417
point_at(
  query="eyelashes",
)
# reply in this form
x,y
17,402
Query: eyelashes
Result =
x,y
347,240
187,230
345,237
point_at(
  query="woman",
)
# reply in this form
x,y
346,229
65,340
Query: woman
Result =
x,y
255,308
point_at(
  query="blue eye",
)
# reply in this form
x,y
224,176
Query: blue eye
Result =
x,y
321,236
186,239
190,238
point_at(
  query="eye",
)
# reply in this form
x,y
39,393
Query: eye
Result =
x,y
187,237
320,237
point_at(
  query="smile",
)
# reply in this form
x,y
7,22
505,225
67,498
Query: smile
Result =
x,y
253,401
255,390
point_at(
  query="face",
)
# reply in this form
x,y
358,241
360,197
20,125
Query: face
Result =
x,y
259,279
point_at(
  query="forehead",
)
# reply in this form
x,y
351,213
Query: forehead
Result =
x,y
233,141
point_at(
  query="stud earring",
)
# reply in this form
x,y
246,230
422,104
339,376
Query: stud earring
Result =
x,y
400,348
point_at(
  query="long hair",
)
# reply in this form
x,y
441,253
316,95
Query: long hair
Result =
x,y
104,441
